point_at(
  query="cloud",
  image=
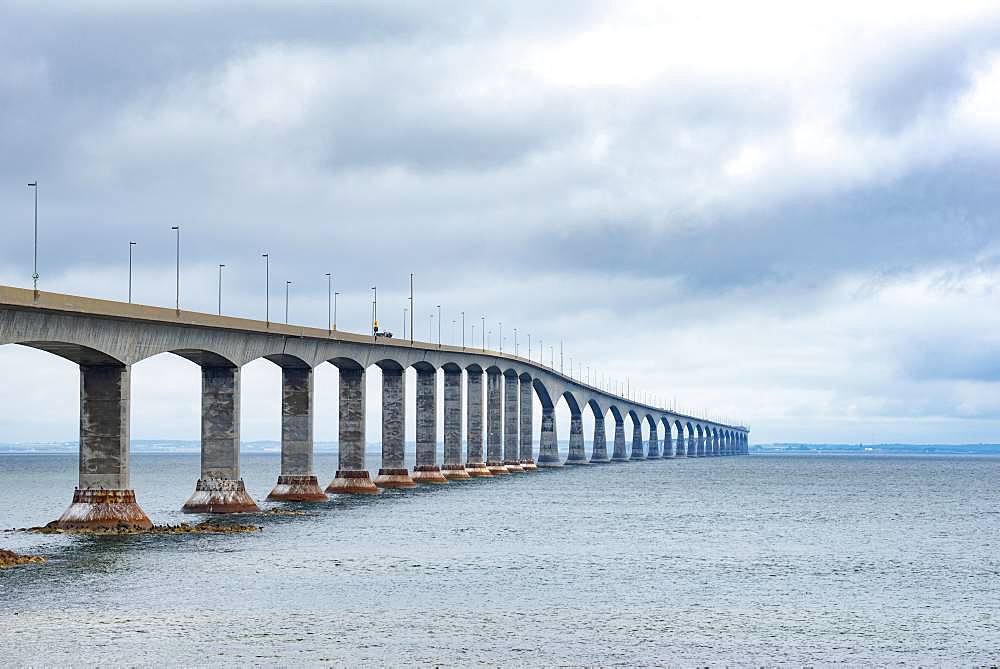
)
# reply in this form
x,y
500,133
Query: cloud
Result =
x,y
764,211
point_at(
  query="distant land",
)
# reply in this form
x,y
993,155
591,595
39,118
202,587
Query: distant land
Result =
x,y
186,446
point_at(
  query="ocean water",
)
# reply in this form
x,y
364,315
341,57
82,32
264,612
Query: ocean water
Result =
x,y
799,560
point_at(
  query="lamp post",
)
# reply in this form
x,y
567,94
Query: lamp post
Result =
x,y
430,328
267,287
500,336
484,332
220,288
329,302
552,357
287,284
374,309
463,329
411,308
454,324
515,342
473,332
439,325
130,245
404,322
335,294
34,274
177,293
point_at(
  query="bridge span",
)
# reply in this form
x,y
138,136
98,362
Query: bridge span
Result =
x,y
106,338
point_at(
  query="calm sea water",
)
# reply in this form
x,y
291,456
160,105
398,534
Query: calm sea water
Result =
x,y
754,560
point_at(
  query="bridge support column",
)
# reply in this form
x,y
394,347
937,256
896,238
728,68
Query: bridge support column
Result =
x,y
653,452
599,451
426,469
637,451
526,454
716,446
700,445
393,473
474,462
681,450
577,449
548,446
453,467
494,424
103,498
511,460
220,488
620,454
297,481
352,476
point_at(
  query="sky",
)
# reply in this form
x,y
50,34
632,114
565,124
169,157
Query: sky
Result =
x,y
782,214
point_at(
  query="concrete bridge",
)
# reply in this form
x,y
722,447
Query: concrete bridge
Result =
x,y
106,338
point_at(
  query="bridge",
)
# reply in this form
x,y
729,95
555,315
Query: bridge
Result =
x,y
105,338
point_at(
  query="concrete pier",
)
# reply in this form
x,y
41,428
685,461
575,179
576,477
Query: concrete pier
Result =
x,y
426,469
680,450
474,462
352,477
526,452
599,451
548,445
620,452
511,422
297,481
700,443
453,467
393,473
494,423
653,452
103,498
637,450
577,449
220,488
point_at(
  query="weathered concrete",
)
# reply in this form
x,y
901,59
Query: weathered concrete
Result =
x,y
599,449
475,463
526,453
220,488
426,469
352,476
716,445
548,445
577,449
700,445
103,499
680,449
494,422
297,481
511,423
453,467
620,454
637,452
653,451
393,473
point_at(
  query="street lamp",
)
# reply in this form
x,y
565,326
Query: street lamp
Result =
x,y
267,287
220,288
287,284
329,302
500,336
439,325
411,308
454,324
515,342
34,274
130,245
430,328
484,332
177,295
404,322
335,294
463,329
374,310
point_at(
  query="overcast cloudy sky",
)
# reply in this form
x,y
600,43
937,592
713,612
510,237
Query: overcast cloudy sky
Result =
x,y
786,214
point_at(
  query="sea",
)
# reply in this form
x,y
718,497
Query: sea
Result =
x,y
775,560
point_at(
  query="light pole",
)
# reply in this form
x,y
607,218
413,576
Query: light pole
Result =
x,y
439,325
515,342
552,357
411,308
489,338
484,333
130,245
454,324
177,293
335,294
463,329
287,284
500,335
473,332
220,288
374,309
329,302
430,328
34,274
267,287
404,322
